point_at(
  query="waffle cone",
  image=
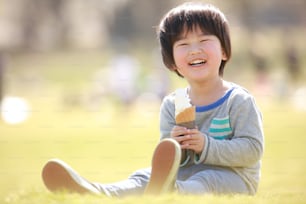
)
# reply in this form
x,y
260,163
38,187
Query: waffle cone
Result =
x,y
187,116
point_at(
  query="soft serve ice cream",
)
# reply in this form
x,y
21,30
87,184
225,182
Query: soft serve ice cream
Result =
x,y
184,110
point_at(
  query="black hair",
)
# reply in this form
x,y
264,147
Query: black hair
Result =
x,y
186,17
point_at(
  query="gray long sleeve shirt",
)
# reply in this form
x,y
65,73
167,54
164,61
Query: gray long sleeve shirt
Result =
x,y
233,134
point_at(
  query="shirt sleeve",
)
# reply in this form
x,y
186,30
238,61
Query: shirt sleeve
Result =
x,y
167,117
245,148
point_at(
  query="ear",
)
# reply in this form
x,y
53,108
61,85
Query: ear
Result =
x,y
224,56
173,68
176,70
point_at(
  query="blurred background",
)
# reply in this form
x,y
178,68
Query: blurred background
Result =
x,y
79,79
88,51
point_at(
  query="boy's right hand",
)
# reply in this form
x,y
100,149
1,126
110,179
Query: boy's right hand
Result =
x,y
188,138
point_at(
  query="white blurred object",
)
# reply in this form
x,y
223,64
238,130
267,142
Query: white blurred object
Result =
x,y
14,110
299,99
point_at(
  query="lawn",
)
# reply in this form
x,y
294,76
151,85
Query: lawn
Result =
x,y
107,145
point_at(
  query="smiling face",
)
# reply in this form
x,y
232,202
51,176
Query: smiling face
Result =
x,y
186,19
198,55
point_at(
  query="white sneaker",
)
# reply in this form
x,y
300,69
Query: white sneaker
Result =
x,y
59,176
165,165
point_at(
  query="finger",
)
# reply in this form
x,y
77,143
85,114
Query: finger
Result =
x,y
179,132
184,145
194,144
189,146
176,127
190,140
181,139
194,131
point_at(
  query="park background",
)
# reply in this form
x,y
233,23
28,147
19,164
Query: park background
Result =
x,y
83,80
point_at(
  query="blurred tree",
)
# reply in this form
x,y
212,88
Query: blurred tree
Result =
x,y
42,23
48,24
137,20
1,78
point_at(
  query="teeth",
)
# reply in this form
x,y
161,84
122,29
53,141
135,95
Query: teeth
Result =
x,y
197,62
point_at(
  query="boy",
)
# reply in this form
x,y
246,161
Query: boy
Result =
x,y
222,154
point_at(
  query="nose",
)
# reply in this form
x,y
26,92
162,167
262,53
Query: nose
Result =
x,y
195,49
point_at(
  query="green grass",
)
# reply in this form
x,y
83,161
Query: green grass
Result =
x,y
106,146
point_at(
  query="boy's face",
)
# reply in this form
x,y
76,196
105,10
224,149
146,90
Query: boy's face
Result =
x,y
197,55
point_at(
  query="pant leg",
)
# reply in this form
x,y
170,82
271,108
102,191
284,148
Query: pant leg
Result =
x,y
217,181
134,185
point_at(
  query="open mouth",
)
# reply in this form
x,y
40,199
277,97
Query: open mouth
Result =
x,y
197,62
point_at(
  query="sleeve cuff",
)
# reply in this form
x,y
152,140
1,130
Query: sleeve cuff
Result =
x,y
185,162
200,158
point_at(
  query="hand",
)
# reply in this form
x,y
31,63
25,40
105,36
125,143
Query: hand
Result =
x,y
188,138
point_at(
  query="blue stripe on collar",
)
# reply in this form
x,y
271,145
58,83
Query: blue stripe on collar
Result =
x,y
215,104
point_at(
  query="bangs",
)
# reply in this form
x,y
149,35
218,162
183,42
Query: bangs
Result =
x,y
184,21
184,30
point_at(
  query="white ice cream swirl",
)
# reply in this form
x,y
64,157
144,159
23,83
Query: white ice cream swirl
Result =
x,y
182,100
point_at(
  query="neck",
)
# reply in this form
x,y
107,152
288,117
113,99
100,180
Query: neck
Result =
x,y
207,92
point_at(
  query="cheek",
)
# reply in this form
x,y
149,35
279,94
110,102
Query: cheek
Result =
x,y
179,56
215,52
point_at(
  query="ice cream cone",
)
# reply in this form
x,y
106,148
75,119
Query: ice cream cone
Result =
x,y
186,117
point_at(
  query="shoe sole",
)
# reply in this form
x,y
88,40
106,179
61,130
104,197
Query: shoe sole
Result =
x,y
165,164
58,176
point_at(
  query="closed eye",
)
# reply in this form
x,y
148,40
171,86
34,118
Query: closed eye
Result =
x,y
182,44
204,40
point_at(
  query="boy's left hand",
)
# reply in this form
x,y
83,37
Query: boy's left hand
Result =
x,y
191,139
